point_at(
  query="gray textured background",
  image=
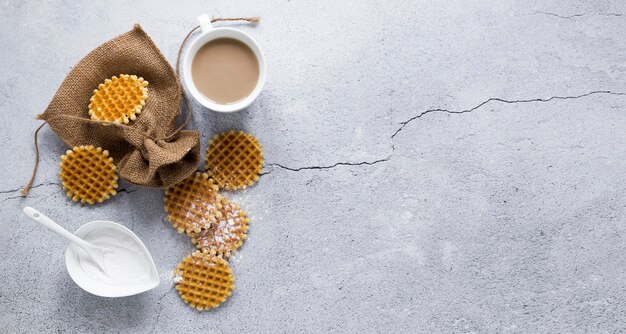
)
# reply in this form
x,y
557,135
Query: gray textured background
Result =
x,y
432,166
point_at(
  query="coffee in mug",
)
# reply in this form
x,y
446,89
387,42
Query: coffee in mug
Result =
x,y
225,70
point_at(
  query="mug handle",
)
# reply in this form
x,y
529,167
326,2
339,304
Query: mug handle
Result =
x,y
205,22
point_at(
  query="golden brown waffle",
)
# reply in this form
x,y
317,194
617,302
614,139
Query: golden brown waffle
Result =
x,y
118,99
227,234
88,174
193,204
203,280
234,159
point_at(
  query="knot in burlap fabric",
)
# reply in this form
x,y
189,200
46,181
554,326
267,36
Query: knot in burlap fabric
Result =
x,y
148,151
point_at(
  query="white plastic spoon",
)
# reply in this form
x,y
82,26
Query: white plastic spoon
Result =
x,y
96,253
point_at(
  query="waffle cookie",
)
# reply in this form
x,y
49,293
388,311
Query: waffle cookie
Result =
x,y
234,160
203,280
88,174
193,204
119,100
227,234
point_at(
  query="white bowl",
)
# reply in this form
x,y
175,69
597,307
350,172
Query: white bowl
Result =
x,y
97,287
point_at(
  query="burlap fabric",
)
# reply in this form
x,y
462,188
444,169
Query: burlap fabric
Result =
x,y
148,151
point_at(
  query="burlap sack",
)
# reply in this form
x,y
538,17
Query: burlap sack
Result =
x,y
148,151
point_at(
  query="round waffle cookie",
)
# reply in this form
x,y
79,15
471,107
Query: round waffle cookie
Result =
x,y
118,99
88,174
193,204
203,280
234,159
227,234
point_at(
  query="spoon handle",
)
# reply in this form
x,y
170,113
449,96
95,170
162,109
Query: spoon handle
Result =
x,y
47,222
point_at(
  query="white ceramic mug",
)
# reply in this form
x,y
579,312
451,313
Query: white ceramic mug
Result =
x,y
208,34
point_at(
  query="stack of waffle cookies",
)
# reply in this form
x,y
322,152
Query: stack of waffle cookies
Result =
x,y
215,225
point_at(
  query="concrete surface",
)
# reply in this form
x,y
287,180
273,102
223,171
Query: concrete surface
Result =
x,y
432,167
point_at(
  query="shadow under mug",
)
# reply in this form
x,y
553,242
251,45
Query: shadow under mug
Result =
x,y
209,34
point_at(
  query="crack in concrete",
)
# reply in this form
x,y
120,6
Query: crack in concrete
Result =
x,y
577,15
496,99
429,111
167,293
10,191
296,169
121,190
10,198
45,184
156,321
124,190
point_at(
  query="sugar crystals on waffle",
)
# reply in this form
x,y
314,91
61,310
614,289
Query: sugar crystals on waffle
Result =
x,y
88,174
119,99
203,280
234,159
227,234
193,204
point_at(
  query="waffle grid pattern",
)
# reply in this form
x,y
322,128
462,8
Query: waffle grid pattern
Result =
x,y
204,281
119,100
234,160
227,234
88,174
193,204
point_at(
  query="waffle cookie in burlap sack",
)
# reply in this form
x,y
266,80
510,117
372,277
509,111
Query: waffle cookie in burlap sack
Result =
x,y
203,280
119,99
151,151
234,160
193,204
225,235
88,174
